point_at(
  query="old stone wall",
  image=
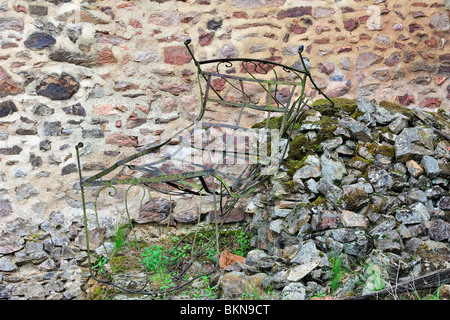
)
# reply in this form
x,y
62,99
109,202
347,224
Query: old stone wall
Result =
x,y
116,75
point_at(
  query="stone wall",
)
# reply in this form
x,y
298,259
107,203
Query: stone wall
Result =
x,y
115,75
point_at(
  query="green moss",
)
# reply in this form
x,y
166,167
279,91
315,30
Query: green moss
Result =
x,y
394,108
384,129
293,165
289,185
328,126
442,119
100,292
387,151
374,148
119,264
358,158
344,104
274,123
305,114
319,201
299,147
353,198
357,114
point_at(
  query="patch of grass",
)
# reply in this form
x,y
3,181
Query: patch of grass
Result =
x,y
119,264
120,237
243,243
337,272
154,258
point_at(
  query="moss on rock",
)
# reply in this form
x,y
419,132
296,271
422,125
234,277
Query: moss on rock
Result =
x,y
394,108
344,104
374,148
274,123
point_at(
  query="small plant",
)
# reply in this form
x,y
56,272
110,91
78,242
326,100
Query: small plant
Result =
x,y
319,295
203,290
153,258
100,264
426,296
120,236
251,294
337,272
243,240
435,296
210,292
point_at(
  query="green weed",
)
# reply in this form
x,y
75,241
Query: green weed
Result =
x,y
120,237
243,242
100,264
337,272
153,258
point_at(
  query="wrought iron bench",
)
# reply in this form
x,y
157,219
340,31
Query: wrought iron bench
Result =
x,y
221,156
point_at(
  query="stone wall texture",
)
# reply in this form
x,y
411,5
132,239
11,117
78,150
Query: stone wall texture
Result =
x,y
116,75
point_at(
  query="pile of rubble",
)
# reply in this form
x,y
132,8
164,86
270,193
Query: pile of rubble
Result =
x,y
366,190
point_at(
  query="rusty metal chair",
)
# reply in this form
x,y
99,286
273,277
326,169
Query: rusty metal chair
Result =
x,y
222,156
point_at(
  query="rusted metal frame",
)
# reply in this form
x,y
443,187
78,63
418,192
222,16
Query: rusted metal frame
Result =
x,y
300,105
206,125
288,111
276,82
88,250
205,100
248,105
226,150
220,75
206,94
181,185
300,50
153,179
206,168
133,157
151,149
243,103
269,99
199,73
297,102
269,90
286,68
245,193
212,61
